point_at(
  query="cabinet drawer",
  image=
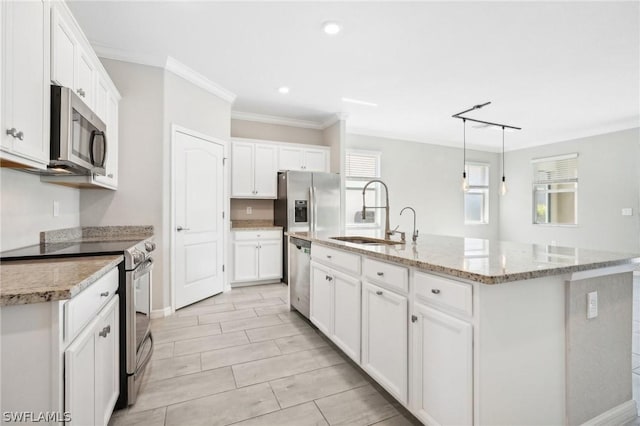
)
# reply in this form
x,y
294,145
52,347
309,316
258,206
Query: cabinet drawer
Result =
x,y
337,258
453,295
394,276
85,306
257,235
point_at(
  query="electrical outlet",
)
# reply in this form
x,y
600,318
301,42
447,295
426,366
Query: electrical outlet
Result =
x,y
249,210
627,212
56,208
592,305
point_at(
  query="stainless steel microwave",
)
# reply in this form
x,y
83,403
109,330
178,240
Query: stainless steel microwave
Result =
x,y
78,136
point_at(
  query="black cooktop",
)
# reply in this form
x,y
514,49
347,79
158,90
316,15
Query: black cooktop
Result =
x,y
68,249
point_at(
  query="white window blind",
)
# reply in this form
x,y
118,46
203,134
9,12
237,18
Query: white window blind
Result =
x,y
561,169
360,164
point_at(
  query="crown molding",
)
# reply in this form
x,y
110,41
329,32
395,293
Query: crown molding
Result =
x,y
192,76
272,119
340,116
168,63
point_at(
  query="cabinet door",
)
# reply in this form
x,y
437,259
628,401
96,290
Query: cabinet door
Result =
x,y
79,378
25,85
315,160
290,158
321,294
85,78
101,99
107,374
346,314
63,51
266,171
270,259
443,364
242,168
384,339
245,261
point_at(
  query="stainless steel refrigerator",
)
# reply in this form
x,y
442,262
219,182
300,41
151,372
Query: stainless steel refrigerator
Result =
x,y
307,202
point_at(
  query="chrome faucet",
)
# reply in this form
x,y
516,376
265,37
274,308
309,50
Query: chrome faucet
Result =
x,y
414,236
387,228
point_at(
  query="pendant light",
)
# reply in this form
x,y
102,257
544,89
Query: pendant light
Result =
x,y
503,186
465,181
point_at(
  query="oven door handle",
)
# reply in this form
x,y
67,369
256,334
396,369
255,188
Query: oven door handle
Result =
x,y
145,361
143,269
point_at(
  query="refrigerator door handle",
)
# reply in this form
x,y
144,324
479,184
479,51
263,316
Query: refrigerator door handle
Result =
x,y
312,206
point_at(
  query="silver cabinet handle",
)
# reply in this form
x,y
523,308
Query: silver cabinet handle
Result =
x,y
20,135
110,175
81,92
379,293
328,256
180,228
12,131
328,278
380,274
105,331
104,294
435,291
414,318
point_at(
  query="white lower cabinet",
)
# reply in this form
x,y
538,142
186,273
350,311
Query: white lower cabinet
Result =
x,y
442,378
335,307
384,338
257,255
91,370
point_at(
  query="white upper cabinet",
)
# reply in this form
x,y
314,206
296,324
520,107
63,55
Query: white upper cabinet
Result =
x,y
110,179
25,83
254,171
310,159
85,82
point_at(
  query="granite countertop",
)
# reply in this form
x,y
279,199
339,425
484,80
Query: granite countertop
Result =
x,y
35,281
254,225
96,233
480,260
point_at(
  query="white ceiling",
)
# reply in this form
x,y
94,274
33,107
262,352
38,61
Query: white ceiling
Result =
x,y
558,70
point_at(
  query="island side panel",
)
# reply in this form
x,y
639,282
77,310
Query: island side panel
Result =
x,y
520,353
598,349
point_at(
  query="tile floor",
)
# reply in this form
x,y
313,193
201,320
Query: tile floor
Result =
x,y
243,358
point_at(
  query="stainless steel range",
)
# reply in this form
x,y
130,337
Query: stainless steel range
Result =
x,y
138,265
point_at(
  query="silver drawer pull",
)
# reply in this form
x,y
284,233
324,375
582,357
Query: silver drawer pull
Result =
x,y
328,278
20,135
104,294
379,293
12,131
328,256
380,274
435,291
414,318
105,331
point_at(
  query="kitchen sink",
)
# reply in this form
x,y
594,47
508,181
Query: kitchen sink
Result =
x,y
365,240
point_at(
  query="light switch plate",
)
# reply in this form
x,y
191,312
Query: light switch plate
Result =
x,y
249,210
592,305
56,208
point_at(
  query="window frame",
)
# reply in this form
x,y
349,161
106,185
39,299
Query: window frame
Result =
x,y
377,224
548,191
478,189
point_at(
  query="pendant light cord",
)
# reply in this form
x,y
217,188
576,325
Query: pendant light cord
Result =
x,y
464,148
503,153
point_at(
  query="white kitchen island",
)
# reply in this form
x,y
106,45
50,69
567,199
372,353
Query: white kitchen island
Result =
x,y
469,331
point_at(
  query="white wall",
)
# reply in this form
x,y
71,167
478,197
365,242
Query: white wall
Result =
x,y
275,132
608,180
428,178
26,208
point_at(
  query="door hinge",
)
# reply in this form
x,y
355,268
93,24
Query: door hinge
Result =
x,y
224,160
222,268
223,215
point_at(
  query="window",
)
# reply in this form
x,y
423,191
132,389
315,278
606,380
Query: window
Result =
x,y
555,188
361,167
476,200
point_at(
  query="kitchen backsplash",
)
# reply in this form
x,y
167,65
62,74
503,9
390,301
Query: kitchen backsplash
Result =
x,y
260,209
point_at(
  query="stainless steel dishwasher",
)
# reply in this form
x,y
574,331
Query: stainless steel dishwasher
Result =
x,y
300,274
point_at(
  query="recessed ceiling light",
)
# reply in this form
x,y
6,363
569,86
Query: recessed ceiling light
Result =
x,y
359,102
284,90
331,27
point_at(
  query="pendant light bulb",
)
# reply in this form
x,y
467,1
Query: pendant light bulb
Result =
x,y
503,187
465,182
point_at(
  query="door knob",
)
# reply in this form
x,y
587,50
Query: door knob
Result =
x,y
180,228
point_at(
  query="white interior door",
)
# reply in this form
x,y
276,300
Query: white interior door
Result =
x,y
199,229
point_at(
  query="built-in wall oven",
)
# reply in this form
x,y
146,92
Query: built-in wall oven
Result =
x,y
139,340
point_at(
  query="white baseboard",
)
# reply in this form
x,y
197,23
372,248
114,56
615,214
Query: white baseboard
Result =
x,y
161,313
619,415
